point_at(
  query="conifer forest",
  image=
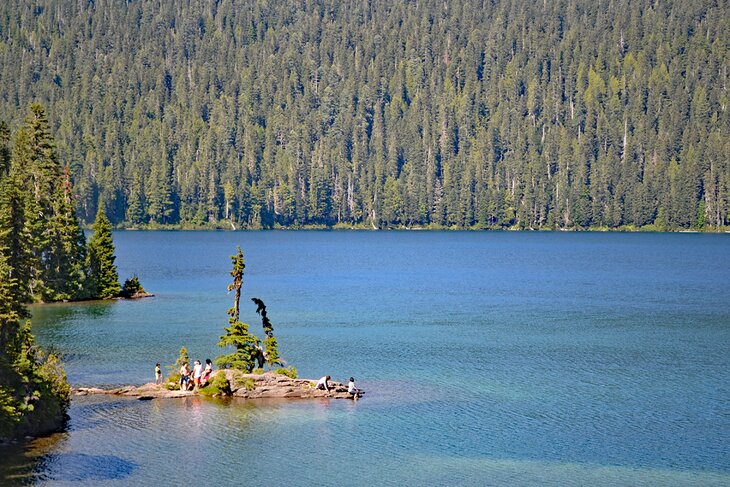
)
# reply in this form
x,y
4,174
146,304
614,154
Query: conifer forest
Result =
x,y
552,114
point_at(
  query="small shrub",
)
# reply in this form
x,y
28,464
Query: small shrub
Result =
x,y
183,358
257,371
290,372
247,383
52,372
218,386
173,382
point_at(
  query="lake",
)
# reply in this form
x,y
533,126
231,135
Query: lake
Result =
x,y
488,358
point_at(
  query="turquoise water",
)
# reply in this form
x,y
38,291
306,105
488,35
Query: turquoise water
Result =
x,y
488,359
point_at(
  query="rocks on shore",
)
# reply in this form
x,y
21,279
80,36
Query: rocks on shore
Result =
x,y
248,386
147,391
137,295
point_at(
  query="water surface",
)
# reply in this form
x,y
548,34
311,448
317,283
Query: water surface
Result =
x,y
488,359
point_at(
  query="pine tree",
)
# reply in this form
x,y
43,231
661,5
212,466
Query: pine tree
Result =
x,y
11,309
104,280
10,412
4,150
15,244
34,393
271,347
36,170
67,272
51,230
135,208
182,359
238,335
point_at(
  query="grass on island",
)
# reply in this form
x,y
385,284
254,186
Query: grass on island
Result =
x,y
290,372
218,386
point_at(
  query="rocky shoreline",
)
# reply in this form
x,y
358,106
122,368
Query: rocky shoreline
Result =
x,y
248,386
137,295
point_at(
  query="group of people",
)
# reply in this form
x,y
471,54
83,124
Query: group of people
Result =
x,y
324,384
199,375
189,379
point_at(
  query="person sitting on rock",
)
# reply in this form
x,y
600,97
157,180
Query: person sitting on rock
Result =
x,y
323,383
352,390
207,372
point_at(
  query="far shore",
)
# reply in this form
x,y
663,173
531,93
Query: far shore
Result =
x,y
225,227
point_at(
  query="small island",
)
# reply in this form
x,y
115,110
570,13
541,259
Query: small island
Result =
x,y
242,374
266,385
132,289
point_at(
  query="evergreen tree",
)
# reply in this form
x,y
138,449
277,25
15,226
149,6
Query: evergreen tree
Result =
x,y
271,347
182,359
4,150
34,394
56,263
10,408
15,245
67,273
237,334
11,309
103,276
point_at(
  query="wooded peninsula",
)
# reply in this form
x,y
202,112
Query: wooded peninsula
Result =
x,y
380,114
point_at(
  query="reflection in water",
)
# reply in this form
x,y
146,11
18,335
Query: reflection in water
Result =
x,y
63,313
15,467
98,309
193,416
23,464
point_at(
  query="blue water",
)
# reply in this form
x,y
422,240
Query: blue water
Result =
x,y
488,359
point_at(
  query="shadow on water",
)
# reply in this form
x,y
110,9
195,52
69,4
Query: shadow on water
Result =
x,y
63,467
77,467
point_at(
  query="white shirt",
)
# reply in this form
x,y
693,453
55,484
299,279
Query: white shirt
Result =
x,y
322,381
351,387
197,371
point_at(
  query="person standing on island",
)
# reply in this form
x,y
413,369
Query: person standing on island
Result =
x,y
323,383
184,377
159,379
197,373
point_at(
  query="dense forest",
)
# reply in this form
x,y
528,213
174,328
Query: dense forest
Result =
x,y
381,113
43,251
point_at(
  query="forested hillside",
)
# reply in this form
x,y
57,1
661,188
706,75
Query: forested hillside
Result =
x,y
382,113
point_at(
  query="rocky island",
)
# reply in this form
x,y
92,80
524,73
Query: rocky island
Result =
x,y
248,386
